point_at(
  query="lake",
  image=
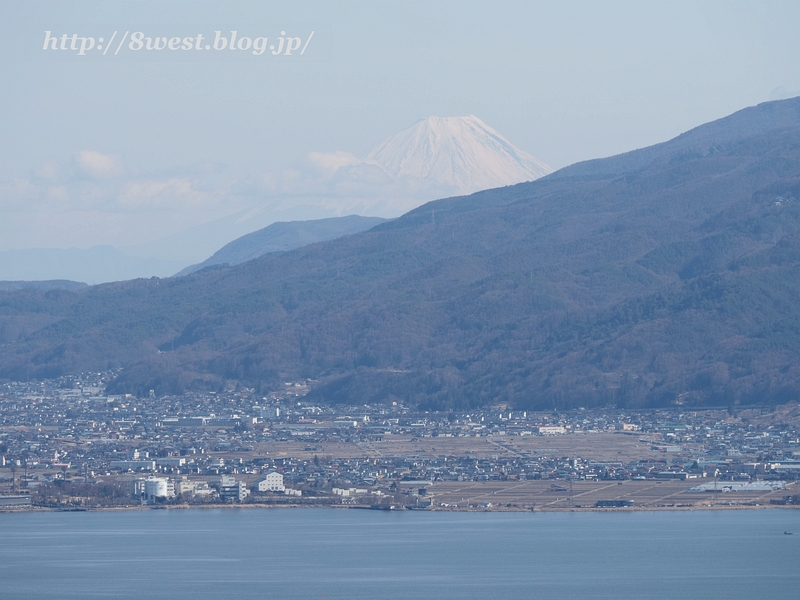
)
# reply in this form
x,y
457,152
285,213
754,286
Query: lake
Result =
x,y
329,553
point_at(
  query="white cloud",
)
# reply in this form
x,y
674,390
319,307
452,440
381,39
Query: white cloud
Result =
x,y
17,194
333,161
96,199
99,165
163,193
91,199
343,179
58,193
48,170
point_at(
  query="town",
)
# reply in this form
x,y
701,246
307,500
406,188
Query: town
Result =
x,y
65,444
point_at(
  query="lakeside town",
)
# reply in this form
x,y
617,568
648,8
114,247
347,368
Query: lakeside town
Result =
x,y
65,444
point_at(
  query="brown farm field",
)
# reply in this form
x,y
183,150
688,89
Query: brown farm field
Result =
x,y
540,495
589,446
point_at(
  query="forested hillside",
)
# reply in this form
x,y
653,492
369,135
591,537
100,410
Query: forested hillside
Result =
x,y
668,275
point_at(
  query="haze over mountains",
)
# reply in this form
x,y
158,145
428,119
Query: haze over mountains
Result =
x,y
435,158
98,264
665,276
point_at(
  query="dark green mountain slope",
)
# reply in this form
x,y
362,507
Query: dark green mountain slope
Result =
x,y
283,236
662,276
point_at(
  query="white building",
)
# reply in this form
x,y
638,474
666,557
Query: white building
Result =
x,y
193,487
133,465
272,482
151,488
185,486
170,462
552,430
226,480
237,492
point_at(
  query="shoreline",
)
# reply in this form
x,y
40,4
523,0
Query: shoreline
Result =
x,y
40,509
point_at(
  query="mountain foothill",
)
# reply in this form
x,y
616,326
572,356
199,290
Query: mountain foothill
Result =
x,y
666,276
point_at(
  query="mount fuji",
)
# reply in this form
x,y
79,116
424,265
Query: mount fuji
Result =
x,y
435,158
462,152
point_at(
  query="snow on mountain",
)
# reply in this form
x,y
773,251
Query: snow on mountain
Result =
x,y
463,152
435,158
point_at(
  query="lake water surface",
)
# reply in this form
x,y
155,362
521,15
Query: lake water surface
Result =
x,y
316,553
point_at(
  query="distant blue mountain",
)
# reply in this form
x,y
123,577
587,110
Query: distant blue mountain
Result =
x,y
280,237
99,264
52,284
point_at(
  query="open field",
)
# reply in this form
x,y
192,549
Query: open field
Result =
x,y
589,446
543,495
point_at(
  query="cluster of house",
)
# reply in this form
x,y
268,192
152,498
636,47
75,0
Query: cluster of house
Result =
x,y
227,488
214,445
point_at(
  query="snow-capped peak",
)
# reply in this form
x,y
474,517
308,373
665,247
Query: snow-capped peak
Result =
x,y
462,152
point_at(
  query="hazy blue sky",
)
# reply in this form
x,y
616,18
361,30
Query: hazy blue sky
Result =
x,y
100,149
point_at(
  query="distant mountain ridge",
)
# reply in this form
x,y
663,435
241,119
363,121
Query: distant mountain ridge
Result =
x,y
667,276
460,151
52,284
283,236
712,137
98,264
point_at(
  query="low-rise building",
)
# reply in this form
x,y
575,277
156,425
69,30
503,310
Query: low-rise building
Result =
x,y
133,465
236,492
272,482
